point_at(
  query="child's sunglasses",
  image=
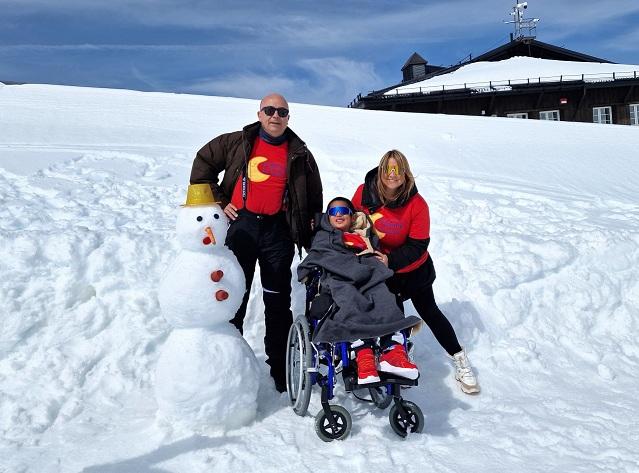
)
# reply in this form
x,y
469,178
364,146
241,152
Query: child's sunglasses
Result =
x,y
334,211
270,111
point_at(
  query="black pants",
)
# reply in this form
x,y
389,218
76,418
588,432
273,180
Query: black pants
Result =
x,y
417,286
267,240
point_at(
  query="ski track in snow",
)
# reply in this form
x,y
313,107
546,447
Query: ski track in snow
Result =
x,y
541,286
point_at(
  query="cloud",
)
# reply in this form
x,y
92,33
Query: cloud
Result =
x,y
149,81
588,13
337,80
247,85
332,27
332,21
329,81
627,41
114,47
328,25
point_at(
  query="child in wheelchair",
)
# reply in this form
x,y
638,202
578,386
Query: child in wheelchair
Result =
x,y
366,313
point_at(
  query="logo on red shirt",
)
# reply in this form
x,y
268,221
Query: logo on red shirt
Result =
x,y
385,226
257,173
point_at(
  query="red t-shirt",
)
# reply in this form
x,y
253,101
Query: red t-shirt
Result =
x,y
394,226
266,179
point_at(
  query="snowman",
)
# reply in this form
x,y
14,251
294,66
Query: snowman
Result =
x,y
207,376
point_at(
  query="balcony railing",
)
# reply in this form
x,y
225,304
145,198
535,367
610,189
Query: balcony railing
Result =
x,y
502,85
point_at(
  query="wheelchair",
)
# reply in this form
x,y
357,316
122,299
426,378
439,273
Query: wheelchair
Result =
x,y
309,364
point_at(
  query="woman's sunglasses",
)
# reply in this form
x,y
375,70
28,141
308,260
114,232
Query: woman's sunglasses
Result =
x,y
392,168
335,211
270,111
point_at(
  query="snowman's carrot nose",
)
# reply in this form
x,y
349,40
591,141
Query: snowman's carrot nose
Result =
x,y
209,232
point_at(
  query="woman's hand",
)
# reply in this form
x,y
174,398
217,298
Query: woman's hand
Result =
x,y
382,257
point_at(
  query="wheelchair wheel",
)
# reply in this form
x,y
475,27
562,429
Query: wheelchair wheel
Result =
x,y
299,357
380,397
324,429
413,422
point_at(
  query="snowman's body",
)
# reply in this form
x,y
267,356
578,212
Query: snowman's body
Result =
x,y
187,293
207,376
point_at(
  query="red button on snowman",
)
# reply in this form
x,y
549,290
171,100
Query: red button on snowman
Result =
x,y
207,376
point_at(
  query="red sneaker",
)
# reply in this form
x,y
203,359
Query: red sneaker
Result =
x,y
395,361
366,370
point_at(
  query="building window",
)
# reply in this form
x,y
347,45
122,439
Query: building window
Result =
x,y
517,115
634,114
552,115
602,115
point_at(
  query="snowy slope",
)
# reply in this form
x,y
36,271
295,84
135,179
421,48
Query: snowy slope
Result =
x,y
519,70
535,237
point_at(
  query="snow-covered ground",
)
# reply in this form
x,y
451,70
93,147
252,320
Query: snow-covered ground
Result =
x,y
519,70
535,238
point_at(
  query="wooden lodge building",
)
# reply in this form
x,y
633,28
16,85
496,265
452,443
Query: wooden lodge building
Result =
x,y
600,98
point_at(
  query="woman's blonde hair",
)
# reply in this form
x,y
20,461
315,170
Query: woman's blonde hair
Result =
x,y
402,194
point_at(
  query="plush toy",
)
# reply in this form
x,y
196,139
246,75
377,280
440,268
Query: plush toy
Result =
x,y
362,226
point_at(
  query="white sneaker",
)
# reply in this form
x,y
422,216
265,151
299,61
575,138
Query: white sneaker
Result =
x,y
464,373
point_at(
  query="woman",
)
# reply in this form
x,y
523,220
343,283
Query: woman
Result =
x,y
401,220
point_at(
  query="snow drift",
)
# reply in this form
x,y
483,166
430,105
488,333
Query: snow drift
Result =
x,y
535,238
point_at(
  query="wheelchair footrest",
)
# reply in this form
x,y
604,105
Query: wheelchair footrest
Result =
x,y
350,382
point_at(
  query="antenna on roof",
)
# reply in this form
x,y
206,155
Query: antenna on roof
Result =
x,y
525,29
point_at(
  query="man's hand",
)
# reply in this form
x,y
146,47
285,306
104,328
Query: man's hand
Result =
x,y
231,211
382,257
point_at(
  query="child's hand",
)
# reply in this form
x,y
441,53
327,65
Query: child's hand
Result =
x,y
382,257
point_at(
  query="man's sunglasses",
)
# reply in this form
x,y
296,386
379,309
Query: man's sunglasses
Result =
x,y
270,111
334,211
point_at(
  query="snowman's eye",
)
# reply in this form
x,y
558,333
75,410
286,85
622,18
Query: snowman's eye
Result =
x,y
216,216
199,219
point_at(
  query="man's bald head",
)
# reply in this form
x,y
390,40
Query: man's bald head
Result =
x,y
273,97
273,124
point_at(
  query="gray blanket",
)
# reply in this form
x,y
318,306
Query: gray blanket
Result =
x,y
366,308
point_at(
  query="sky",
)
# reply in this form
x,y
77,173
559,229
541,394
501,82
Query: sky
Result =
x,y
313,52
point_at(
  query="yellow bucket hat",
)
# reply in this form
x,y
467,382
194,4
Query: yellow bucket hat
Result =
x,y
199,194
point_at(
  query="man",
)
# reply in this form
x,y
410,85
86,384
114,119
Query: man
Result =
x,y
270,191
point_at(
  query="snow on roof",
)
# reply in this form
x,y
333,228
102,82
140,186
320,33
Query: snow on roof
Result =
x,y
518,70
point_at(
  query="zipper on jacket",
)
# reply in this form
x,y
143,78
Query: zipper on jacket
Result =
x,y
244,172
291,189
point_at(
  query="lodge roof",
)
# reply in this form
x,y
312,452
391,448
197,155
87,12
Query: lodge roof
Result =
x,y
517,47
534,48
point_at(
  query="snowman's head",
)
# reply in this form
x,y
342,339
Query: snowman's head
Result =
x,y
202,227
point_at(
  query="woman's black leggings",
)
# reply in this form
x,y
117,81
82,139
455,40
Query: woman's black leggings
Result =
x,y
424,302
